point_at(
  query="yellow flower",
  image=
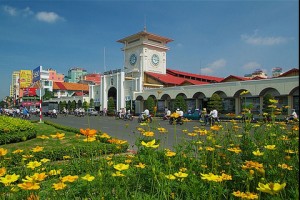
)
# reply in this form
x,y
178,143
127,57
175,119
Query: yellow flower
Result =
x,y
88,177
270,147
59,186
170,176
69,178
104,135
181,174
285,166
252,165
43,137
17,151
59,136
271,188
192,134
118,173
211,177
34,164
215,128
2,171
25,157
257,153
44,160
39,176
150,144
55,172
148,134
121,167
236,150
8,179
89,139
3,152
88,132
209,148
244,92
274,101
141,165
66,157
162,130
29,186
37,149
245,195
170,153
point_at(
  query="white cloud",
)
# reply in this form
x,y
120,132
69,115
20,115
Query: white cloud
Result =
x,y
214,66
251,65
258,40
10,10
49,17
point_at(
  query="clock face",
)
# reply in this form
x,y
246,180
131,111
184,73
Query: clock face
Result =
x,y
132,59
155,59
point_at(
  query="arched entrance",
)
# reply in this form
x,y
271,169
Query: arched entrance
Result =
x,y
112,93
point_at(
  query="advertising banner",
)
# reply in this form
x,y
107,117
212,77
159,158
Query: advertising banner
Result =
x,y
36,74
29,92
25,78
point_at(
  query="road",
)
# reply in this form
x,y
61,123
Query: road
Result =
x,y
127,130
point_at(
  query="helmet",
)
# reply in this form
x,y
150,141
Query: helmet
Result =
x,y
177,108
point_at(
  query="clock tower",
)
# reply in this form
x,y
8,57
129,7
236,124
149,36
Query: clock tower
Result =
x,y
145,52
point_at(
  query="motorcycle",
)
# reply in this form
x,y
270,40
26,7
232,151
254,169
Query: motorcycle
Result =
x,y
176,120
53,115
143,118
166,117
128,117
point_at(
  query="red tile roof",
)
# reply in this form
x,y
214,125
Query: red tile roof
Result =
x,y
197,76
294,70
238,78
166,78
70,86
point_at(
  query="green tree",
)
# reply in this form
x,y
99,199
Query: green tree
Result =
x,y
85,105
150,104
267,103
180,103
48,94
111,106
215,102
73,105
92,104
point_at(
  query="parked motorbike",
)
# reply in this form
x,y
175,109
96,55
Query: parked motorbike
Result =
x,y
166,117
144,118
174,120
53,115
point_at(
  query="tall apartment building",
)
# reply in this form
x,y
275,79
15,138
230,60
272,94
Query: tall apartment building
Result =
x,y
15,86
75,74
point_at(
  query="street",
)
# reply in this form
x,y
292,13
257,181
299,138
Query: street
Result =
x,y
127,130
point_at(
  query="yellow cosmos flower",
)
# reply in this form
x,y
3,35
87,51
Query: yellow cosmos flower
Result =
x,y
104,135
59,136
8,179
236,150
184,130
69,178
2,171
170,176
3,152
43,137
203,132
59,186
66,157
37,149
89,139
118,173
110,163
192,134
215,128
252,165
285,166
181,174
141,165
170,153
29,186
88,132
211,177
34,164
148,134
88,177
54,172
25,157
116,141
289,151
121,167
150,144
270,147
39,176
245,195
44,160
162,130
209,148
257,153
17,151
271,188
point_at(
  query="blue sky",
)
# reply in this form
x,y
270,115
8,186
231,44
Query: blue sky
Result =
x,y
218,38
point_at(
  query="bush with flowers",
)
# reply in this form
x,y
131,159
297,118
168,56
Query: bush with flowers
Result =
x,y
227,161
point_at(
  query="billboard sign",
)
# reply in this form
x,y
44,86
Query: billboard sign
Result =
x,y
25,78
36,74
29,92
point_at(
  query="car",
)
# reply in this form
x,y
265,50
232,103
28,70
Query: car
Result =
x,y
92,112
196,115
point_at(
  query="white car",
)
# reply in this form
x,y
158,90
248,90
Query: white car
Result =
x,y
92,112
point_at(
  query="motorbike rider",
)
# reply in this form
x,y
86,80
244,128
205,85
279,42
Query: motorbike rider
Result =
x,y
54,112
146,113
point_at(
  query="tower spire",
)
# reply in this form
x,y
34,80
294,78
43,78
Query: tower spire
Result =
x,y
145,24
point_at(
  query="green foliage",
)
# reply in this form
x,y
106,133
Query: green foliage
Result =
x,y
73,105
150,104
92,103
111,106
85,105
180,103
215,102
267,103
48,95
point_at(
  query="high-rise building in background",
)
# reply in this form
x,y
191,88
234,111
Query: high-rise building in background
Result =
x,y
75,74
277,71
